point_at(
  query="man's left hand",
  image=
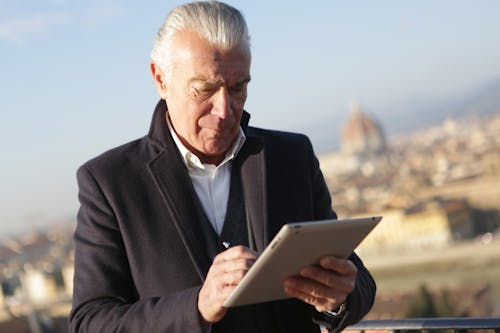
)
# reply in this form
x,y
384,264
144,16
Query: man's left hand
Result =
x,y
325,286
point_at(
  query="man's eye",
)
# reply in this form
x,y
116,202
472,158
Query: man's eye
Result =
x,y
203,91
238,88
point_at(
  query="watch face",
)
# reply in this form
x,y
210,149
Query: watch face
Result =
x,y
332,320
339,312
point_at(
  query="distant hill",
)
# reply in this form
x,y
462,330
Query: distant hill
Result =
x,y
485,101
423,113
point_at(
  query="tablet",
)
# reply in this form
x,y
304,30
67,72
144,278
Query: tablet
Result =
x,y
295,246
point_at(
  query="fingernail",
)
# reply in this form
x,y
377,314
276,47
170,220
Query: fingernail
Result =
x,y
327,261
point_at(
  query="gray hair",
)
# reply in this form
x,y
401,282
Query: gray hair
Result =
x,y
217,22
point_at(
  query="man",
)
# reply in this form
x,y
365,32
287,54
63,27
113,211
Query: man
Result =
x,y
155,212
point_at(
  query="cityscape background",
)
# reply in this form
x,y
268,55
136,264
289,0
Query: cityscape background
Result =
x,y
400,99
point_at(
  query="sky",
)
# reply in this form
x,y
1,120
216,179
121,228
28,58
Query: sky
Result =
x,y
75,80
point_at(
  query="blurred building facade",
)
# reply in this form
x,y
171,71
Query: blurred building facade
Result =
x,y
433,187
36,274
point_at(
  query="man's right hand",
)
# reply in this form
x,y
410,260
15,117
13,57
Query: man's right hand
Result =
x,y
226,272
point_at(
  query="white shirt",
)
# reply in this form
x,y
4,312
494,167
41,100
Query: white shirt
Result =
x,y
211,182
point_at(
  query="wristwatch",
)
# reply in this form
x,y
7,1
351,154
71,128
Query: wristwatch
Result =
x,y
338,313
333,321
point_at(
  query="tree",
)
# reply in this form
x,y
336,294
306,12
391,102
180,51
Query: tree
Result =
x,y
422,305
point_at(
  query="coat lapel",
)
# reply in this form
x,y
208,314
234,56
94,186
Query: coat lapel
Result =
x,y
253,180
174,185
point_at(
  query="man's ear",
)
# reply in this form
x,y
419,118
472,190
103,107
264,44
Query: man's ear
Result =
x,y
159,79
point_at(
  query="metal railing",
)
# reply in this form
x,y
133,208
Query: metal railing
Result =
x,y
427,324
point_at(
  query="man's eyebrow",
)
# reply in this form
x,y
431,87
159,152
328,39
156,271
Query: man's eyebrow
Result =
x,y
202,80
246,79
243,81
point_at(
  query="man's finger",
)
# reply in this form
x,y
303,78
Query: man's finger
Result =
x,y
311,288
341,266
235,253
223,267
234,277
329,278
319,302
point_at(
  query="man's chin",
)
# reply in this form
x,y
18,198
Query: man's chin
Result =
x,y
216,147
216,152
213,152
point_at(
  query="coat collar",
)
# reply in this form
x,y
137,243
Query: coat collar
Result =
x,y
174,185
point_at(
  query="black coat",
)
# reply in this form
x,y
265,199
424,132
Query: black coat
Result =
x,y
140,259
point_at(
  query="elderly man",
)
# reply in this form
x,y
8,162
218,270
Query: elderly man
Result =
x,y
155,212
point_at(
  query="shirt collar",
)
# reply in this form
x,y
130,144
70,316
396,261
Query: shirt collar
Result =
x,y
192,161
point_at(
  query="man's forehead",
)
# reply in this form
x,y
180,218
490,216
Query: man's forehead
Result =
x,y
212,56
189,44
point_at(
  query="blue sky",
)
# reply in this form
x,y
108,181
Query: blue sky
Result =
x,y
74,77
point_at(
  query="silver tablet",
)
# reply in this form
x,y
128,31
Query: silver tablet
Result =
x,y
295,246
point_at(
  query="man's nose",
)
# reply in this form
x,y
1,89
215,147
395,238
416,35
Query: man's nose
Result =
x,y
221,104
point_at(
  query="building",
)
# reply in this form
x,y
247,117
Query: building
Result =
x,y
362,136
363,145
433,223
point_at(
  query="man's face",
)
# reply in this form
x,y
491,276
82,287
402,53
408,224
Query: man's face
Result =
x,y
206,93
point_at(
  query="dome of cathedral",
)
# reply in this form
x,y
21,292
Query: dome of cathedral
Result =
x,y
362,135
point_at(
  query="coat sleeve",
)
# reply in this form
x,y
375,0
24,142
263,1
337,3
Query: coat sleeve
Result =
x,y
360,301
104,295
